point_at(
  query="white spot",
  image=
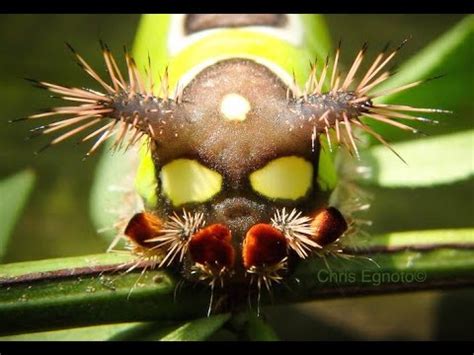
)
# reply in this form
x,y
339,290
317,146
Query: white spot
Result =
x,y
234,107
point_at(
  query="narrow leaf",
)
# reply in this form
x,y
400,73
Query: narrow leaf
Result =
x,y
94,333
14,192
199,329
430,161
257,329
462,237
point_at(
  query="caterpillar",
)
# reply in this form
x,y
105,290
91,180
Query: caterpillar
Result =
x,y
227,143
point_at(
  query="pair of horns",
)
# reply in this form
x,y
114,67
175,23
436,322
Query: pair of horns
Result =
x,y
128,109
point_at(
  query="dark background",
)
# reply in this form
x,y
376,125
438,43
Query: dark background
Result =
x,y
56,220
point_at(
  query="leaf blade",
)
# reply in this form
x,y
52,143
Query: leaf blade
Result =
x,y
93,333
257,329
430,161
14,191
198,329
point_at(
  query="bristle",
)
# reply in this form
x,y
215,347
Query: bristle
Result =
x,y
354,68
165,84
369,72
328,135
110,68
410,108
395,114
320,82
350,134
386,47
104,136
151,84
18,119
338,131
312,78
335,64
397,89
88,69
379,138
363,90
267,277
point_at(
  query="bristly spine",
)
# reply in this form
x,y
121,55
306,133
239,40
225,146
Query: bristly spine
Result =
x,y
297,230
340,108
175,235
127,109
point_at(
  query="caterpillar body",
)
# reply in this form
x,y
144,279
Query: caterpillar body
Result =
x,y
228,142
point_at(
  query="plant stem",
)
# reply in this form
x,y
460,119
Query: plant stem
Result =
x,y
73,292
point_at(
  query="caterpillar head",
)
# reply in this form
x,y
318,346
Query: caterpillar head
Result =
x,y
242,185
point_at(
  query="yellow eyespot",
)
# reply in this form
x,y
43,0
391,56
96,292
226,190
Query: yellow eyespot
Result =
x,y
185,181
286,178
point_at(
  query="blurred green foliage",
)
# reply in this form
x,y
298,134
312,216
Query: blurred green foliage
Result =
x,y
14,192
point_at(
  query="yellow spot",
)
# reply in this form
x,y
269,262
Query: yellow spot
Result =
x,y
185,181
234,107
286,178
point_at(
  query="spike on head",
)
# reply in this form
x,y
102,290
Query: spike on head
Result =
x,y
345,104
126,110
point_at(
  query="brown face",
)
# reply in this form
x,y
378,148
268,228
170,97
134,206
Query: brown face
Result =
x,y
236,113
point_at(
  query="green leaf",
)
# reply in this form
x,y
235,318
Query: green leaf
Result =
x,y
258,329
150,331
430,161
199,329
14,191
94,333
318,39
450,55
422,239
112,332
104,195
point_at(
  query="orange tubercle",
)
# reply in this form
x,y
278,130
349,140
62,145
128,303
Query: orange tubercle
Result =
x,y
328,225
212,246
143,226
263,245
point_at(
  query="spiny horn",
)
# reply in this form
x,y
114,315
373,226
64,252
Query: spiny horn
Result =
x,y
318,113
127,109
